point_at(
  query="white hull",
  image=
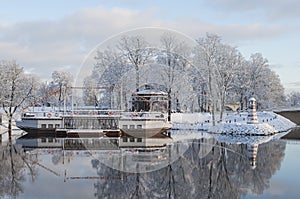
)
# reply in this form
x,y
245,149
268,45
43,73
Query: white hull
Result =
x,y
39,123
142,127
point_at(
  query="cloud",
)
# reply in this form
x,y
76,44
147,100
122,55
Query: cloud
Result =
x,y
295,83
271,10
47,45
276,66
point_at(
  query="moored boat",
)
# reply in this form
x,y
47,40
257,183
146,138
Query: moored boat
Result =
x,y
40,121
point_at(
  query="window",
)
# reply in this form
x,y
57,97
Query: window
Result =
x,y
50,139
125,139
43,125
125,127
50,126
131,139
44,140
131,126
139,140
139,126
57,126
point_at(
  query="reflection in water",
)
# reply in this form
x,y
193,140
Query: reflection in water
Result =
x,y
201,167
252,153
13,164
225,172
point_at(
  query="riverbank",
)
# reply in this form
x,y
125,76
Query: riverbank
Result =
x,y
234,123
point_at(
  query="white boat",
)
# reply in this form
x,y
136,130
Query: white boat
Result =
x,y
40,121
50,121
142,125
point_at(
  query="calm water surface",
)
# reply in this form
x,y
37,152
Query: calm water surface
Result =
x,y
203,166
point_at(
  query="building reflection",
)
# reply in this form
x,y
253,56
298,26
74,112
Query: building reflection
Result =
x,y
252,153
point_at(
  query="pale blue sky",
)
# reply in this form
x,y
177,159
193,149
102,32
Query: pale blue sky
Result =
x,y
49,35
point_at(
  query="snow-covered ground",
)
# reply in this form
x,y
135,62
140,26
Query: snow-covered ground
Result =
x,y
234,123
211,138
4,133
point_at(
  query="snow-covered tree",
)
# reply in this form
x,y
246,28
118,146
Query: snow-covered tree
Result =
x,y
135,48
45,94
16,89
108,72
231,78
90,93
173,55
207,53
61,80
218,74
226,66
264,84
257,65
294,99
241,85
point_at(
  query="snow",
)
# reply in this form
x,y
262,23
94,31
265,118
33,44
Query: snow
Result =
x,y
151,92
269,123
187,135
243,129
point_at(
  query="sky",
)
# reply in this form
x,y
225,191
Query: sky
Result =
x,y
43,36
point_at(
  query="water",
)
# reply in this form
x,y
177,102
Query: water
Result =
x,y
205,166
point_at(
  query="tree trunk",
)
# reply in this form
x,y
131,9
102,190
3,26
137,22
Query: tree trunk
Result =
x,y
10,128
211,96
241,103
137,83
169,105
222,105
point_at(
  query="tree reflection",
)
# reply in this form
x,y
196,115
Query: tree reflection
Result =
x,y
225,172
14,165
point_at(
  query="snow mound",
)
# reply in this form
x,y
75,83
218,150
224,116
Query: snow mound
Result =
x,y
243,129
277,121
269,123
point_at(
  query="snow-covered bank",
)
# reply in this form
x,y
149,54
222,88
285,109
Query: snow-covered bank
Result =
x,y
243,129
209,138
234,123
191,121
